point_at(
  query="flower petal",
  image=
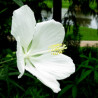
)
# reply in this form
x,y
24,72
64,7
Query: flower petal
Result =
x,y
23,25
47,33
44,77
20,59
59,66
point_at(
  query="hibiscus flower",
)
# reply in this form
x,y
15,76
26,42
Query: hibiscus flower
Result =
x,y
33,52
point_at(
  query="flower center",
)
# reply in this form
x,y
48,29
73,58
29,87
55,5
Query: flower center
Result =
x,y
54,49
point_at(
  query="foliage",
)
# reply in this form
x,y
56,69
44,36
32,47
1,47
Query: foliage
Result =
x,y
91,4
85,6
6,10
86,33
65,3
82,83
85,80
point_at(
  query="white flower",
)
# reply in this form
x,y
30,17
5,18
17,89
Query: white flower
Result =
x,y
33,40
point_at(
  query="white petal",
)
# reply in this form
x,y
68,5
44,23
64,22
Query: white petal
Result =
x,y
44,77
23,25
20,59
47,33
59,66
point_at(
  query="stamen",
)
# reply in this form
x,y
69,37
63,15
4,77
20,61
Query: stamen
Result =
x,y
57,49
54,49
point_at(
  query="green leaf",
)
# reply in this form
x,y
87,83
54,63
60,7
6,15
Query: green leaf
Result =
x,y
3,10
64,90
9,55
87,66
2,73
83,56
13,73
96,76
90,55
19,2
74,91
96,66
84,74
12,59
83,64
14,83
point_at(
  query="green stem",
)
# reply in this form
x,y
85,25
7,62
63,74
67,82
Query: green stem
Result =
x,y
7,61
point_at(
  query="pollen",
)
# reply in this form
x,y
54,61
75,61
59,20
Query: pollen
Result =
x,y
57,49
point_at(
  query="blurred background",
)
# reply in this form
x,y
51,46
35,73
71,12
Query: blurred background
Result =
x,y
80,20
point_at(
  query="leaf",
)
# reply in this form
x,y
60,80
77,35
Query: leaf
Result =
x,y
96,76
90,55
3,10
85,63
84,74
87,66
14,83
2,73
64,90
13,73
19,2
83,56
9,55
74,91
96,67
12,59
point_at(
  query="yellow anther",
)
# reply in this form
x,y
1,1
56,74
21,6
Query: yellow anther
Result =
x,y
57,49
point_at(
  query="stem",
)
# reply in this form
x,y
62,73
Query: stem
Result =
x,y
7,60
